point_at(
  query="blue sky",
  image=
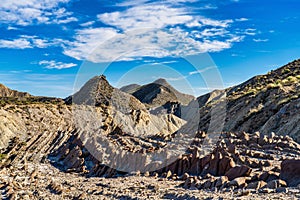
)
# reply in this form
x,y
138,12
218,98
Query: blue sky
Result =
x,y
51,47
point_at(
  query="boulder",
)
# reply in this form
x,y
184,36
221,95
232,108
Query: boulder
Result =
x,y
282,190
185,176
239,182
290,172
238,171
276,184
225,165
256,185
221,181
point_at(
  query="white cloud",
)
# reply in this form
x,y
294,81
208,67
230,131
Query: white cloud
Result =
x,y
107,45
11,28
260,40
89,23
87,40
40,43
153,62
202,21
52,64
144,17
143,2
27,12
209,32
27,42
20,43
250,31
151,30
242,19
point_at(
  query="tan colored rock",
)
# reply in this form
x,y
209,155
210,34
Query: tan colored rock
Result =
x,y
168,174
263,140
266,190
55,188
185,176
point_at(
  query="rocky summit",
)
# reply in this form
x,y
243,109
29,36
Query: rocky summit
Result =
x,y
157,93
153,142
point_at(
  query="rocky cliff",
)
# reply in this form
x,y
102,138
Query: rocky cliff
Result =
x,y
6,92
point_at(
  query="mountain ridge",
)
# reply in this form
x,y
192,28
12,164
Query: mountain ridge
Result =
x,y
158,93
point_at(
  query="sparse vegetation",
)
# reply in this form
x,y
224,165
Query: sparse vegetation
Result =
x,y
2,156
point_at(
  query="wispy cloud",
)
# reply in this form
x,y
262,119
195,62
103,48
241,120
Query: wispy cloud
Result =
x,y
28,12
179,78
242,19
182,77
161,63
89,23
87,40
202,70
28,42
20,71
260,40
250,31
20,43
143,17
52,64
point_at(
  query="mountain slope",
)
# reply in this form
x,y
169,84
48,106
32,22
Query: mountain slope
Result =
x,y
6,92
130,88
159,93
264,103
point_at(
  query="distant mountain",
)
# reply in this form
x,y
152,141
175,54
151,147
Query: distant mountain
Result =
x,y
97,92
158,93
7,92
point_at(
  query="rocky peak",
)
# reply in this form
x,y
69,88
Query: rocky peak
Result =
x,y
97,90
162,81
159,93
6,92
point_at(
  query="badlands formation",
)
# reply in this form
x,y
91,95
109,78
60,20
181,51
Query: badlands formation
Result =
x,y
153,142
